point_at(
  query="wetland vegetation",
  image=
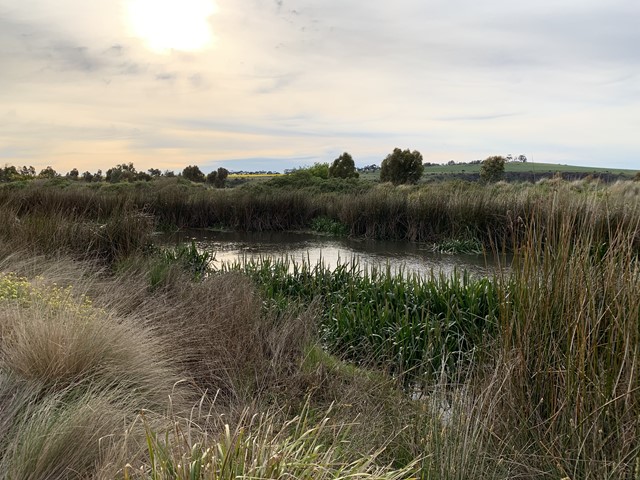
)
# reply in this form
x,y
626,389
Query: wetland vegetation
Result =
x,y
123,359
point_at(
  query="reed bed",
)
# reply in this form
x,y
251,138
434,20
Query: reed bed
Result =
x,y
413,326
494,215
570,325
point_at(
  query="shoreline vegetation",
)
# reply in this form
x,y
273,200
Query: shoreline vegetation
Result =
x,y
120,359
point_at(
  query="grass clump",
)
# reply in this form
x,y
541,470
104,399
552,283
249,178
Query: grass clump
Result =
x,y
328,226
260,447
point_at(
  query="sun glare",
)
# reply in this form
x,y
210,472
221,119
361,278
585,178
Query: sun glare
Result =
x,y
166,25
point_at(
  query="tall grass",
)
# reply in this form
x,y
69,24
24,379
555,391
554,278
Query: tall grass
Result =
x,y
571,327
491,214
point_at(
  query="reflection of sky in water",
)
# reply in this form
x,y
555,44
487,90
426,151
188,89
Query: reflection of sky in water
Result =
x,y
408,257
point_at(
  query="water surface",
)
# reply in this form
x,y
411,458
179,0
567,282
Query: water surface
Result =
x,y
403,257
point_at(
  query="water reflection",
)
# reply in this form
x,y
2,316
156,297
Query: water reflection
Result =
x,y
399,256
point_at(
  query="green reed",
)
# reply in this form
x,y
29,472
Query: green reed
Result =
x,y
414,326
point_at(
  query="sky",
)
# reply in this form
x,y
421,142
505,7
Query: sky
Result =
x,y
276,84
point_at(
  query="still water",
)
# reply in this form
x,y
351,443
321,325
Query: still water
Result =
x,y
404,257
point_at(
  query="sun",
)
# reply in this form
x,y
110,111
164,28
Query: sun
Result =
x,y
166,25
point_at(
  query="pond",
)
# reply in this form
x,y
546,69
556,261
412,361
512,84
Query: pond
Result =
x,y
401,257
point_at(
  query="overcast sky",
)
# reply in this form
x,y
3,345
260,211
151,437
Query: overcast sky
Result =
x,y
274,84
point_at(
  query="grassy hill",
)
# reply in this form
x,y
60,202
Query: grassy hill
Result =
x,y
529,167
516,171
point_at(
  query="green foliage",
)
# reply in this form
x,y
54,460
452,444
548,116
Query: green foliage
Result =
x,y
261,448
125,172
343,167
329,226
492,169
402,166
48,172
313,185
193,173
319,170
8,173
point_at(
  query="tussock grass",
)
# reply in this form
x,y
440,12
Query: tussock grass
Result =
x,y
73,378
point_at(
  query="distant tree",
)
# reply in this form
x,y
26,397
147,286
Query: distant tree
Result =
x,y
169,173
492,169
48,173
343,167
28,171
98,176
522,158
154,172
125,172
73,174
87,177
8,174
223,173
218,178
193,173
370,168
508,158
402,166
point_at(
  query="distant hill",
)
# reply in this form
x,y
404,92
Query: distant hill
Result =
x,y
516,171
528,167
526,172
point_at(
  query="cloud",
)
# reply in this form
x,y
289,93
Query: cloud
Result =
x,y
304,81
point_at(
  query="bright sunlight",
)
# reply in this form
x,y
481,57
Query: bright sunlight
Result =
x,y
166,25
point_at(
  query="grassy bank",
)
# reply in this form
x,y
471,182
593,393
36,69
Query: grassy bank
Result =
x,y
494,216
118,360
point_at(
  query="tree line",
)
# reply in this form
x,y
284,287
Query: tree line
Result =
x,y
124,172
399,167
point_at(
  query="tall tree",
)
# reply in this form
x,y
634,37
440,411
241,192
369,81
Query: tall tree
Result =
x,y
343,167
402,166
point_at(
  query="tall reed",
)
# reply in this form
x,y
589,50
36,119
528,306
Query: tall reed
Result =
x,y
569,322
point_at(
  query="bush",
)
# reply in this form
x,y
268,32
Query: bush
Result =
x,y
218,178
193,173
402,166
492,169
